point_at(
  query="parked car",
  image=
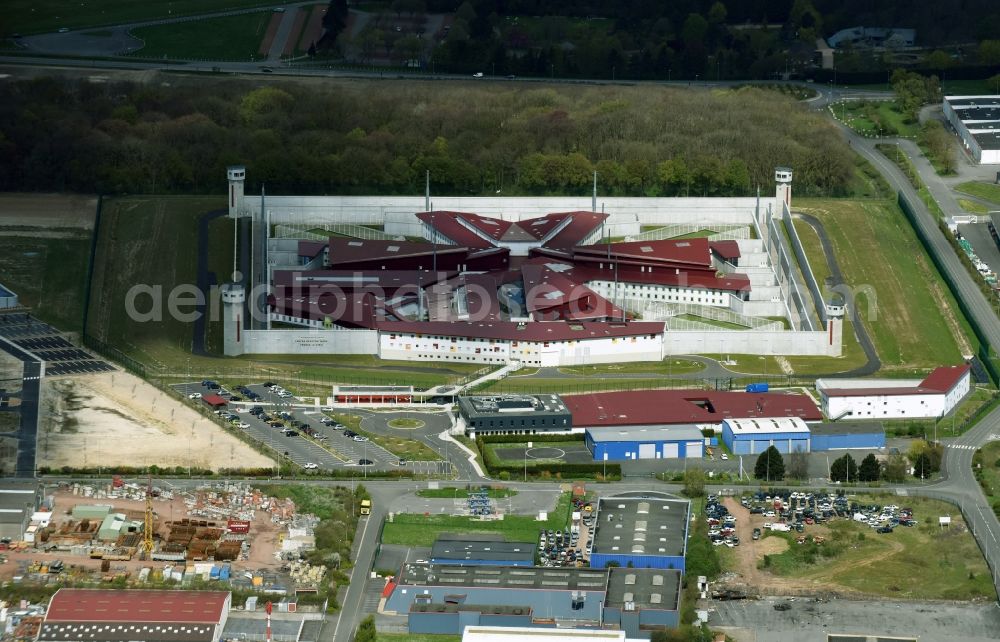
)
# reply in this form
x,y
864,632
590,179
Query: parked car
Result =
x,y
310,466
756,534
365,462
194,395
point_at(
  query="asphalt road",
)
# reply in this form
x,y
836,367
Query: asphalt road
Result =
x,y
980,309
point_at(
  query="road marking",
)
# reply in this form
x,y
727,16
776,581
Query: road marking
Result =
x,y
350,580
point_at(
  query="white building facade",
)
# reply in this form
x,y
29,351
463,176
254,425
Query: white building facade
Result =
x,y
935,396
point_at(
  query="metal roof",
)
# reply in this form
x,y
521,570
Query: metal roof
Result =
x,y
644,588
781,425
448,549
662,407
136,606
682,432
847,428
517,577
640,526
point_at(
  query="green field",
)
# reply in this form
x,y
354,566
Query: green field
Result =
x,y
416,637
456,492
865,118
988,191
235,37
492,447
48,274
667,366
920,562
953,424
22,16
973,207
399,446
420,530
986,466
913,322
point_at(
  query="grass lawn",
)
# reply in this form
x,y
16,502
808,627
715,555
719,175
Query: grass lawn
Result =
x,y
421,530
226,38
568,444
721,324
415,637
399,446
973,207
700,234
913,320
535,385
856,557
949,426
865,117
495,493
405,423
667,366
988,191
23,16
48,274
988,472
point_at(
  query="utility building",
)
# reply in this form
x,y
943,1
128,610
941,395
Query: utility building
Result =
x,y
976,120
754,436
515,414
642,533
844,435
645,442
935,396
470,550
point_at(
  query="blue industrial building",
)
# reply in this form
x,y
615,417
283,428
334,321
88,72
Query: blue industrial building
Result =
x,y
843,435
754,436
488,550
444,599
8,299
645,442
641,533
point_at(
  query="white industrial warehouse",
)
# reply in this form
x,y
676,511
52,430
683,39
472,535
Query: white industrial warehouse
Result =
x,y
934,396
976,120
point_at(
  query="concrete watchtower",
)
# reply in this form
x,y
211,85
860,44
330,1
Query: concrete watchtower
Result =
x,y
835,311
233,297
783,177
237,175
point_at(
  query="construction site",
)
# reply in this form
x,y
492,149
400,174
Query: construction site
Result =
x,y
140,533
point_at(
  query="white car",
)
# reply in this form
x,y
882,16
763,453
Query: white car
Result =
x,y
478,74
310,466
327,409
244,426
359,438
194,395
725,457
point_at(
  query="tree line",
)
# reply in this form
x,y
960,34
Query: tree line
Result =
x,y
365,137
923,459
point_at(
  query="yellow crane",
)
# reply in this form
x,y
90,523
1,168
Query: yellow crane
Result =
x,y
147,531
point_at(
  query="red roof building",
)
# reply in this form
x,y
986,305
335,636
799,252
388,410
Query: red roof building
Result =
x,y
935,396
101,615
670,407
214,401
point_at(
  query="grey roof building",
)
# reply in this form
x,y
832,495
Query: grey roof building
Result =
x,y
18,500
465,551
645,532
515,414
976,120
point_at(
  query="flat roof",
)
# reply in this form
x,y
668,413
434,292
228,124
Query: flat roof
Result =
x,y
847,428
692,252
476,407
682,432
344,251
518,577
137,607
640,526
782,425
663,407
990,140
537,634
644,588
448,549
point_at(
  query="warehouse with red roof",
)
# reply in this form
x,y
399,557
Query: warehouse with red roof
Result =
x,y
934,396
105,615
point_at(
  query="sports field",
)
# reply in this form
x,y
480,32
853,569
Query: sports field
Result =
x,y
37,16
914,322
228,38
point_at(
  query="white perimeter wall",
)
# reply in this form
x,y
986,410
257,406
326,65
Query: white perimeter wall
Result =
x,y
788,342
626,212
310,341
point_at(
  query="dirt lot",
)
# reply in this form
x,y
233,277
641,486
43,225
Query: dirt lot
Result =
x,y
118,419
749,553
264,535
47,210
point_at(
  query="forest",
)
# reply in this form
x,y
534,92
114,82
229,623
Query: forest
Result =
x,y
365,137
684,39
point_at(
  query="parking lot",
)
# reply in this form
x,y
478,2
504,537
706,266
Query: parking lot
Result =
x,y
300,434
61,357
